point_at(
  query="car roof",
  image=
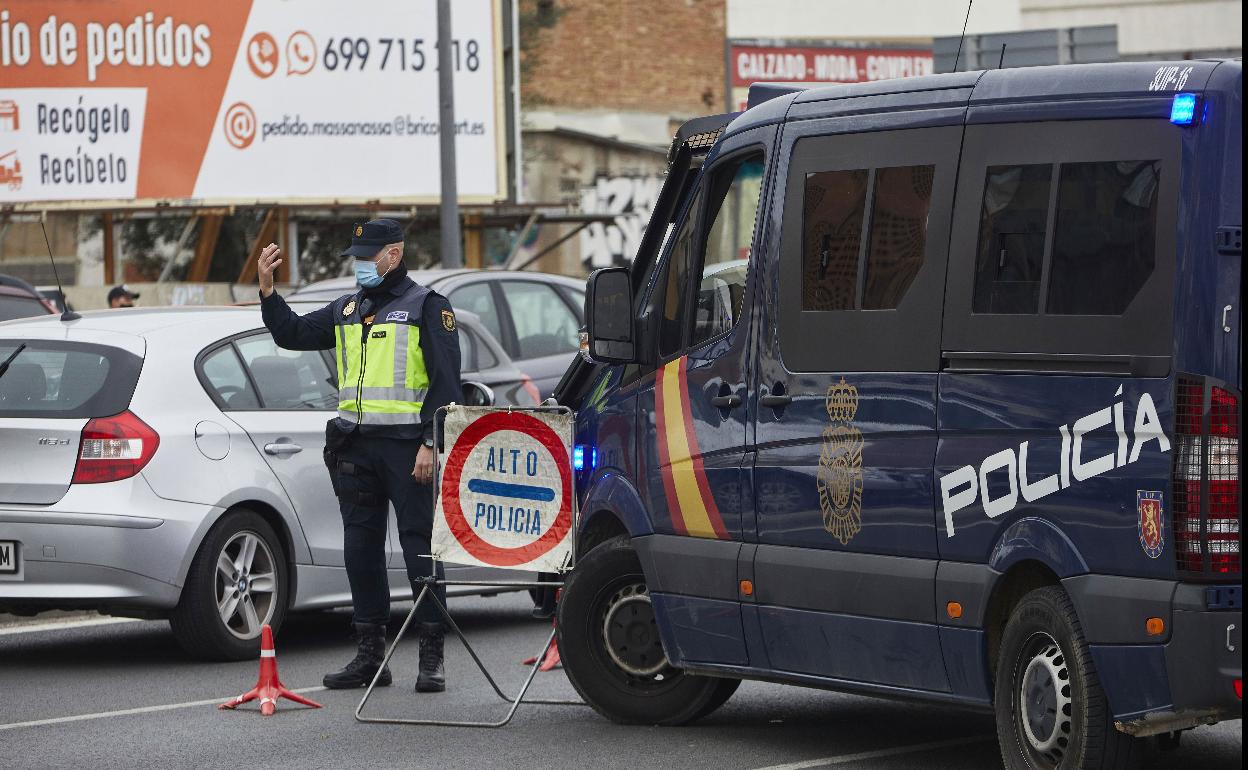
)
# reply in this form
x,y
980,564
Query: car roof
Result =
x,y
13,286
139,321
431,278
16,291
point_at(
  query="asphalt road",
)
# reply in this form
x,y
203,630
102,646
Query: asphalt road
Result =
x,y
123,694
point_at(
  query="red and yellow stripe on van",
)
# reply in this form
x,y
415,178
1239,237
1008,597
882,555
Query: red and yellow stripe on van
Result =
x,y
689,498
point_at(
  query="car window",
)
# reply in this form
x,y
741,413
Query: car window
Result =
x,y
545,325
227,380
477,298
467,349
20,307
485,357
726,257
287,379
63,379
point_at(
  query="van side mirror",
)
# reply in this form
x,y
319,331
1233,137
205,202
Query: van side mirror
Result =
x,y
477,394
609,316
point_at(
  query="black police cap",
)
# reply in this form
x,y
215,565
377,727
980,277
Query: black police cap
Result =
x,y
368,238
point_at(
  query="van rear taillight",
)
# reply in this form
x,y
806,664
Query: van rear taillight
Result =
x,y
1207,504
114,448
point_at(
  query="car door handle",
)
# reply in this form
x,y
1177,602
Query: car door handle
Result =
x,y
728,401
282,448
775,401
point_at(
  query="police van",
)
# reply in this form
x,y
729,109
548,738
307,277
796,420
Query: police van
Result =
x,y
927,388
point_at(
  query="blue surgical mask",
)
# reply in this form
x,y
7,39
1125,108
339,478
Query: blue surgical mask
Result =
x,y
366,273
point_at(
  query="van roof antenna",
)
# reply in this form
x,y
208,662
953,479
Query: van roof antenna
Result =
x,y
958,57
68,315
1001,62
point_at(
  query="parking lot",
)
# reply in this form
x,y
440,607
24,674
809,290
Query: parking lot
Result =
x,y
112,694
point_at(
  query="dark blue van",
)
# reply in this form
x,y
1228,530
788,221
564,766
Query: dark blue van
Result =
x,y
928,388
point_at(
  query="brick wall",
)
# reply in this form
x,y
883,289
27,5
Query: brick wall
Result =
x,y
639,55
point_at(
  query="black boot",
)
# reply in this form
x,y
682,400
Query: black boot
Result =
x,y
432,641
371,650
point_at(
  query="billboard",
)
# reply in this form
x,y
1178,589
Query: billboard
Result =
x,y
815,63
240,101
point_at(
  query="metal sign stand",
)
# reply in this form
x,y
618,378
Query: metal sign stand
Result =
x,y
430,583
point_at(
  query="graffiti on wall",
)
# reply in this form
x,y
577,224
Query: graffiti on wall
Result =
x,y
629,199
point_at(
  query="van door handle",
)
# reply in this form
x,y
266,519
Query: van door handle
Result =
x,y
282,448
775,401
730,401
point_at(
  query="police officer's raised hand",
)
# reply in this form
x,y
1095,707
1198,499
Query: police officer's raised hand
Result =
x,y
270,258
423,472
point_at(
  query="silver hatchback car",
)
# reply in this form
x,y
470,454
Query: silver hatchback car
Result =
x,y
167,462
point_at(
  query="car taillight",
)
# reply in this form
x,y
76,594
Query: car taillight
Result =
x,y
531,389
1207,506
114,448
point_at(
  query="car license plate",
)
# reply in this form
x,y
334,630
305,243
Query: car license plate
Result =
x,y
8,557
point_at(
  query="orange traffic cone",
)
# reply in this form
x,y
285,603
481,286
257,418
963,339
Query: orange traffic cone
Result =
x,y
550,656
269,687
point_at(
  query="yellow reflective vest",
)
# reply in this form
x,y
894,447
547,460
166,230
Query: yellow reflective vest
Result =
x,y
381,368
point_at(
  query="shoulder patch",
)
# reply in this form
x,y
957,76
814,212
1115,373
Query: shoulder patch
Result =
x,y
348,309
448,320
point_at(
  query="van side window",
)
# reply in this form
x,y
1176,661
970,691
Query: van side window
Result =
x,y
727,255
1011,239
898,236
863,247
675,281
1064,243
838,273
1105,236
833,208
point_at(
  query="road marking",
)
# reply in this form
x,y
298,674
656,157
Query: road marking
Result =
x,y
129,712
53,625
845,759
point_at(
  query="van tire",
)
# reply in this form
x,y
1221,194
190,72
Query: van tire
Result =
x,y
625,685
1045,659
196,621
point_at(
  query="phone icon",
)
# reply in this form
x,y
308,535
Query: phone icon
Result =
x,y
262,54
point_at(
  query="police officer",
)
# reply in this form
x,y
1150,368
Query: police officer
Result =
x,y
397,352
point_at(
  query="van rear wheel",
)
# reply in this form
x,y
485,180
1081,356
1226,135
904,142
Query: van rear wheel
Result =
x,y
611,650
1051,711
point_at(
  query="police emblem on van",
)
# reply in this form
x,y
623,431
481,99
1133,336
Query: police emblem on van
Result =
x,y
840,465
1150,508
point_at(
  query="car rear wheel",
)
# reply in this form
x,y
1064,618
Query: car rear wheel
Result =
x,y
237,584
1051,711
611,651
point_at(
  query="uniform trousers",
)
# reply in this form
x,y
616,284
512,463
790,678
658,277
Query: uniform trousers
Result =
x,y
371,474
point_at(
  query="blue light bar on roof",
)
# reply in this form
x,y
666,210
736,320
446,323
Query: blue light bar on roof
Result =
x,y
1183,110
578,457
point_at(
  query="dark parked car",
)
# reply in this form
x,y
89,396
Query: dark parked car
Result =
x,y
19,299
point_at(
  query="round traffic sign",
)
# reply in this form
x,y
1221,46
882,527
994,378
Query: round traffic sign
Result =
x,y
480,484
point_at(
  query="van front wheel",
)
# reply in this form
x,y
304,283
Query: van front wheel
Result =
x,y
1051,711
611,651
